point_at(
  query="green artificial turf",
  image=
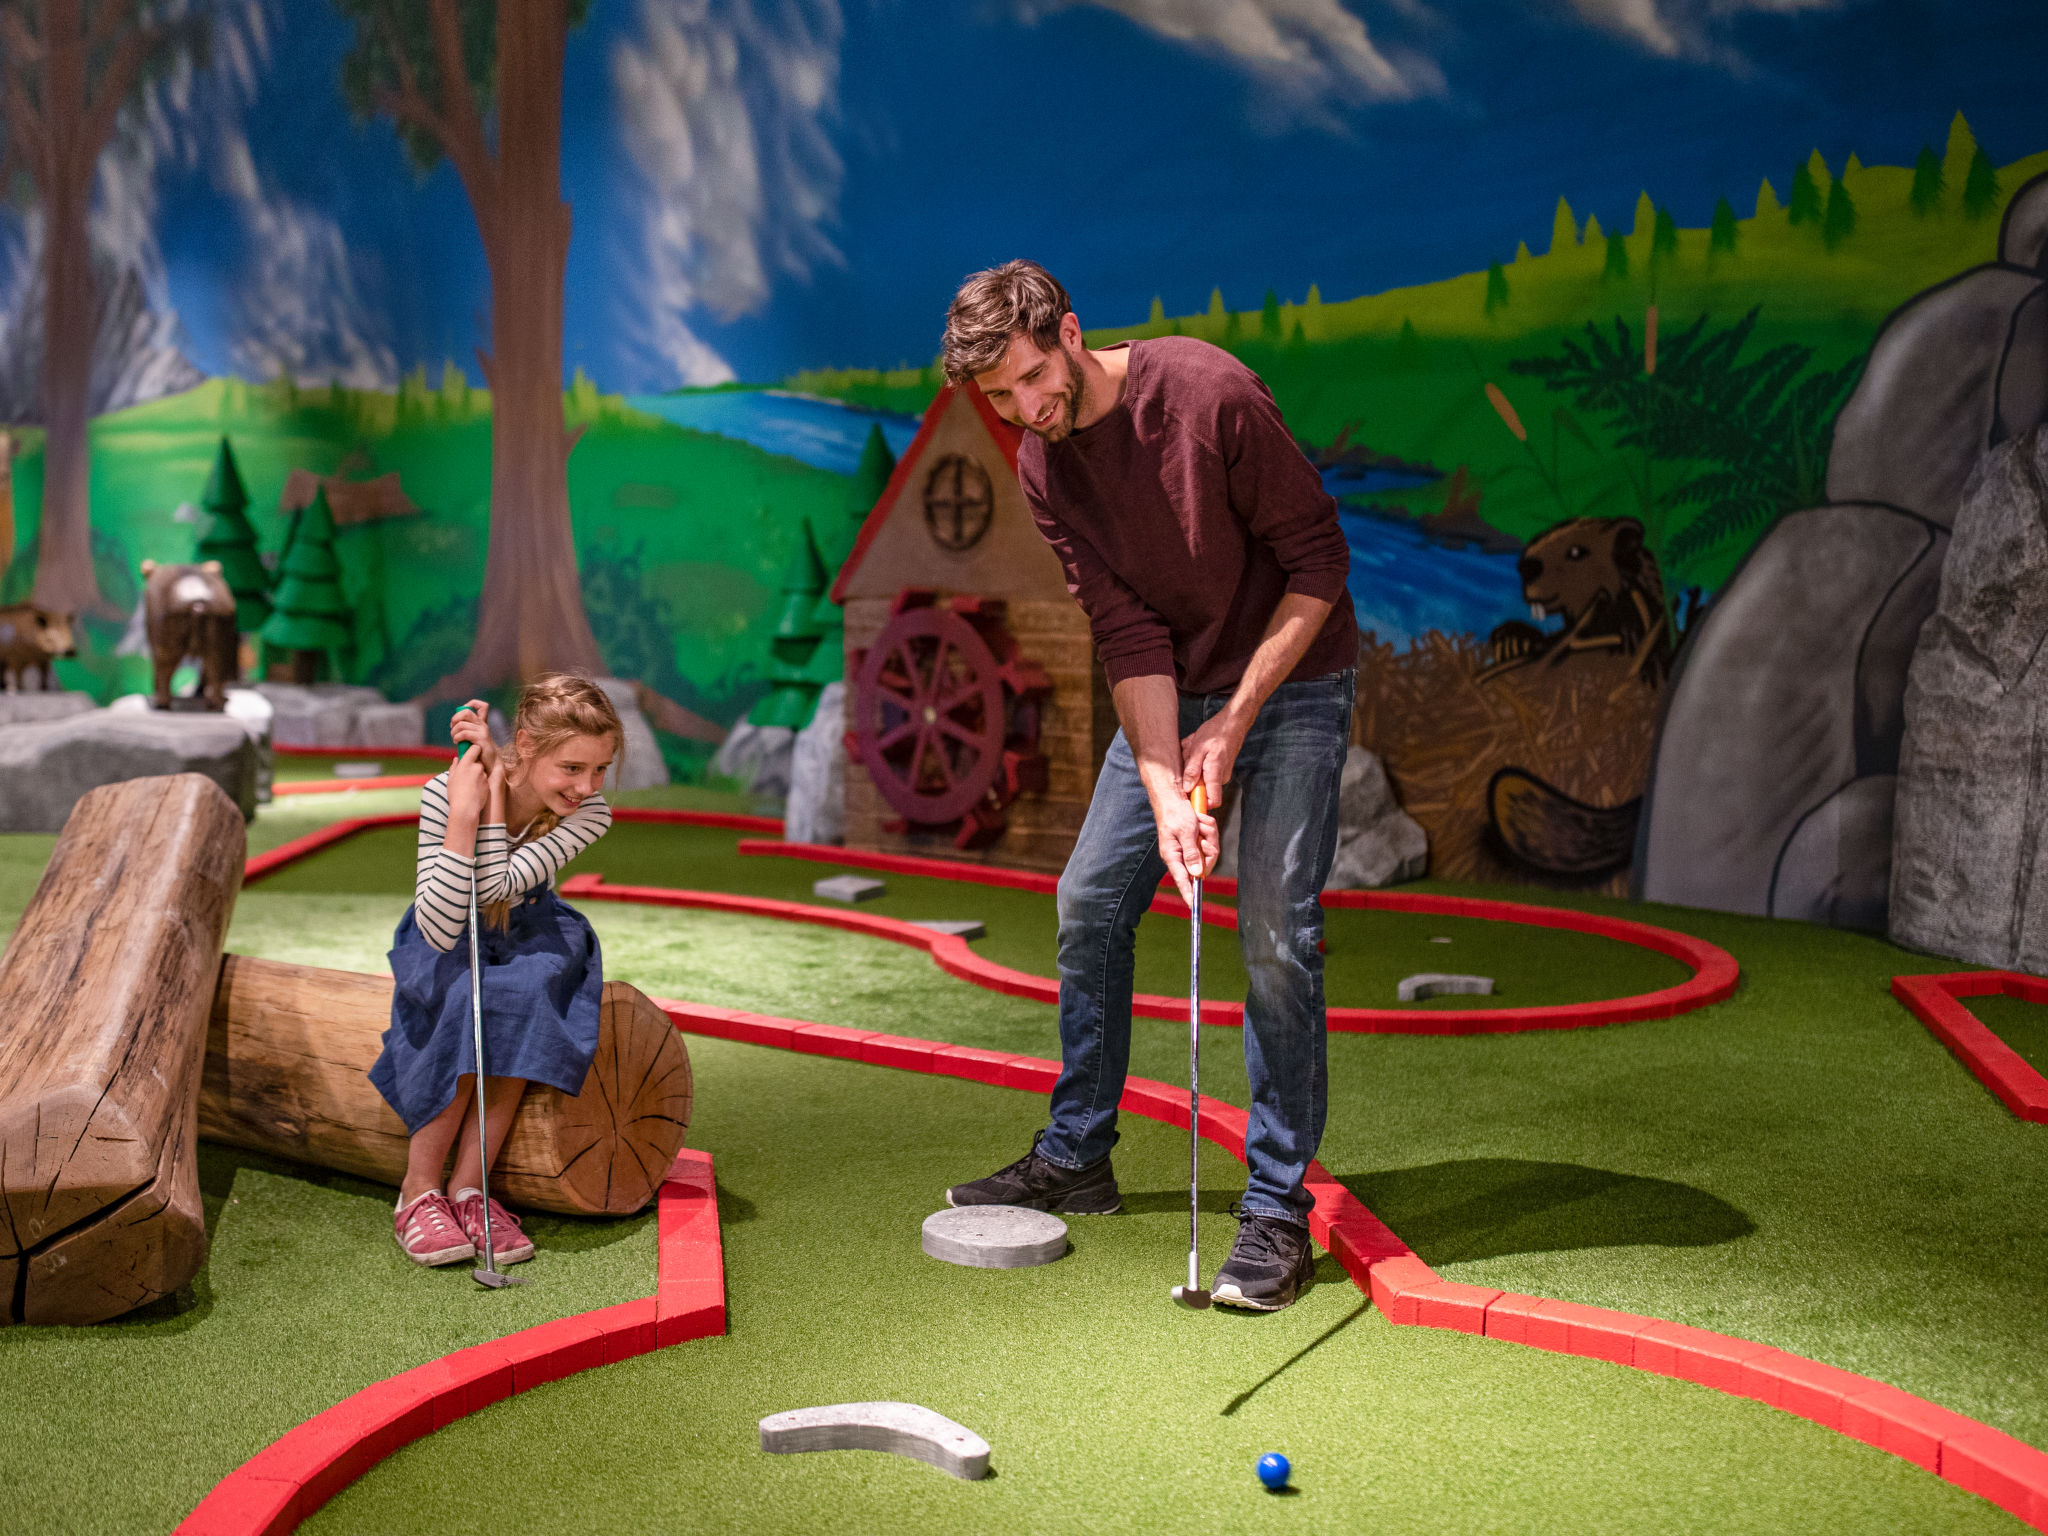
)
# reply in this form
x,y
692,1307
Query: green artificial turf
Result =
x,y
1804,1165
391,762
1107,1407
2020,1024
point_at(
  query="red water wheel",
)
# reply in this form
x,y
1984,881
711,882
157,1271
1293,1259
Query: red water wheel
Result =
x,y
945,716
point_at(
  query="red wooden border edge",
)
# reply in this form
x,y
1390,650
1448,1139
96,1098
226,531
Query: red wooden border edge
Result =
x,y
283,1484
259,865
1714,969
1985,1461
1938,1003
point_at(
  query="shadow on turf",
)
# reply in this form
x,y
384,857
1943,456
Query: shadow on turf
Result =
x,y
1484,1208
1301,1354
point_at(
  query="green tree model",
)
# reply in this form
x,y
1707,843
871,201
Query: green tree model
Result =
x,y
1721,237
1980,191
231,540
309,616
1496,287
1839,223
1928,185
792,696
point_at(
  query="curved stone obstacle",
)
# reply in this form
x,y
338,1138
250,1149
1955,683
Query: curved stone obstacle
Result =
x,y
902,1429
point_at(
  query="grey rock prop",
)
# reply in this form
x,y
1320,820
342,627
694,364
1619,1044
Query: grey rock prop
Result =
x,y
816,809
35,708
45,769
1434,984
1773,782
848,888
1378,843
994,1236
966,928
340,715
2023,236
640,765
758,757
904,1429
1968,877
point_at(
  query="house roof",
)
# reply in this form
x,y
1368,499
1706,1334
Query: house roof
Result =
x,y
1006,439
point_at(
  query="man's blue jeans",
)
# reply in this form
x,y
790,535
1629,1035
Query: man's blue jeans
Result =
x,y
1286,781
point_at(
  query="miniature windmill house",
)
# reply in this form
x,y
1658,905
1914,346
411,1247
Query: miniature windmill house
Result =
x,y
976,715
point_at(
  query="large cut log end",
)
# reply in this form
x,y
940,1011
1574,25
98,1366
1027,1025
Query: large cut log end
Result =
x,y
611,1143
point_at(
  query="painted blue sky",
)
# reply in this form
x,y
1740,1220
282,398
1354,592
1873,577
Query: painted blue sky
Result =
x,y
764,185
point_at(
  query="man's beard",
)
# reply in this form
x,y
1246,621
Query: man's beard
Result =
x,y
1070,404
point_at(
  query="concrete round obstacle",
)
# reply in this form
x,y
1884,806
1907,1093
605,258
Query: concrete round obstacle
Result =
x,y
994,1236
903,1429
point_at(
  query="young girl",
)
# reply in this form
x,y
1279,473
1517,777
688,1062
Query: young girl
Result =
x,y
542,973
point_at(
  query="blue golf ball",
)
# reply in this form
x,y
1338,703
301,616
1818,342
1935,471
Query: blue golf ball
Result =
x,y
1273,1470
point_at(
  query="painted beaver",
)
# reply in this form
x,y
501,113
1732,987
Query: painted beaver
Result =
x,y
1595,574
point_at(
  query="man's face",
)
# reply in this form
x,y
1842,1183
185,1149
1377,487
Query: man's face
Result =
x,y
1038,391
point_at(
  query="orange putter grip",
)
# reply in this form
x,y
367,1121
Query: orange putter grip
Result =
x,y
1201,799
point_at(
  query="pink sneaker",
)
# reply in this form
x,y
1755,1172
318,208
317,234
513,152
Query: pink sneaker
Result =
x,y
509,1242
429,1233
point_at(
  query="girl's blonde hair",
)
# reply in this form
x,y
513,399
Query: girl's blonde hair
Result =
x,y
555,707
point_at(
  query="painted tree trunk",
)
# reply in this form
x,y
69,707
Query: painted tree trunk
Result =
x,y
531,618
64,575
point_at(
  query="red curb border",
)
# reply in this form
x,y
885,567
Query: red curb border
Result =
x,y
1714,970
1985,1461
259,865
1938,1003
284,1483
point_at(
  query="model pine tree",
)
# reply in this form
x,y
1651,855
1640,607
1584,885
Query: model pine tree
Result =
x,y
309,617
792,697
231,540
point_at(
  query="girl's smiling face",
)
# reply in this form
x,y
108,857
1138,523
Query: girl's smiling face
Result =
x,y
568,773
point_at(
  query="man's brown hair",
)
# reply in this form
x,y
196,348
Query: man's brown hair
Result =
x,y
1017,298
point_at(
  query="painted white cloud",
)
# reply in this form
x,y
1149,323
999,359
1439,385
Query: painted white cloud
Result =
x,y
1310,53
298,306
1683,28
726,108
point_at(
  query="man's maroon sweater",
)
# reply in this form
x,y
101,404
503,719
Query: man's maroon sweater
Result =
x,y
1184,515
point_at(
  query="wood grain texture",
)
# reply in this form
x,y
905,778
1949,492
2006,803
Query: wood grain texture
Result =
x,y
104,992
289,1049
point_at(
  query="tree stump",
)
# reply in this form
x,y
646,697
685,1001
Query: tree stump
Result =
x,y
288,1054
104,992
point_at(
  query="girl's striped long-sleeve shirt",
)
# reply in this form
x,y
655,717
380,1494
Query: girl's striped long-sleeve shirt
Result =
x,y
504,870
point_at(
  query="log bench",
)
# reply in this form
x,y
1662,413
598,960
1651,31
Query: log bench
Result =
x,y
105,989
289,1047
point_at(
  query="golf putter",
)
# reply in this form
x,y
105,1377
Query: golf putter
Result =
x,y
1192,1295
490,1275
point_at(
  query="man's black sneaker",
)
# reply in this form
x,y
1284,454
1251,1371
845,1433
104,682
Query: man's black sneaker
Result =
x,y
1043,1186
1270,1264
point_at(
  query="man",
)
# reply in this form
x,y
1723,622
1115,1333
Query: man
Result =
x,y
1210,563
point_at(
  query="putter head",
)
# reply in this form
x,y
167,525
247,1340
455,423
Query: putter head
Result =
x,y
497,1280
1189,1296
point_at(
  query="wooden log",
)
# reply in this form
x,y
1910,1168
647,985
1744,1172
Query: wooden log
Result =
x,y
289,1048
104,994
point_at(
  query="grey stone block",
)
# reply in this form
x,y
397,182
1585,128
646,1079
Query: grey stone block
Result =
x,y
966,929
2023,235
45,769
36,708
363,770
388,725
758,757
816,809
1957,369
903,1429
1378,843
994,1236
319,715
1968,874
848,888
1435,984
1790,690
640,765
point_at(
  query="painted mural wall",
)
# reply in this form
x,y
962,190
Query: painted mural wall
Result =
x,y
1569,302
